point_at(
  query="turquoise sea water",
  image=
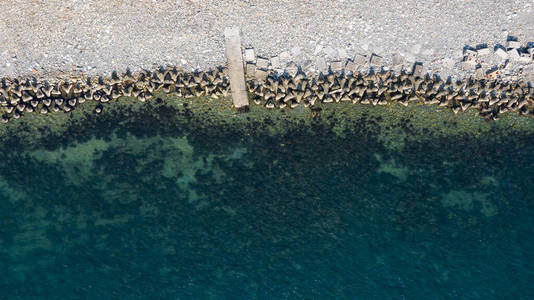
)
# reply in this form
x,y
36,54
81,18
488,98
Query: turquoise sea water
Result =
x,y
154,210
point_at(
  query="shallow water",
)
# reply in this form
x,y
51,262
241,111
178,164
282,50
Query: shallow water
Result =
x,y
156,209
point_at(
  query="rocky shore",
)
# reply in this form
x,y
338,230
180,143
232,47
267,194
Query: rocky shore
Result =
x,y
273,87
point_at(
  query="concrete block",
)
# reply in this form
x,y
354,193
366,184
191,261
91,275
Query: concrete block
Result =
x,y
292,68
409,57
525,58
428,52
250,70
467,65
501,53
448,63
513,45
397,59
261,74
336,66
249,55
285,56
262,62
469,52
479,73
295,51
483,51
417,69
306,64
376,60
275,62
331,52
513,54
320,64
493,73
351,66
318,49
342,53
360,59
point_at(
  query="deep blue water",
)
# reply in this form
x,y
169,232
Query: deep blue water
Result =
x,y
209,213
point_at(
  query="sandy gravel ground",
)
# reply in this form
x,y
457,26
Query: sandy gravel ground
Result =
x,y
97,36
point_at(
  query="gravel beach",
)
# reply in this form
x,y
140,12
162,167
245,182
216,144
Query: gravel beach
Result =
x,y
59,38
